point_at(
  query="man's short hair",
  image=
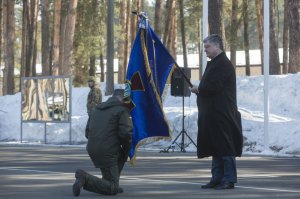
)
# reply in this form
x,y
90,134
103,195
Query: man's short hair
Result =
x,y
214,39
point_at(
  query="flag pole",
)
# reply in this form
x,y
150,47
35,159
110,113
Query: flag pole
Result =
x,y
185,77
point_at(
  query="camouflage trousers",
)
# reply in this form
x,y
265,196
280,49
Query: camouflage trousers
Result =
x,y
108,184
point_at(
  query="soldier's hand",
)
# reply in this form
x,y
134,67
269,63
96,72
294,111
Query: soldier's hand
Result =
x,y
123,156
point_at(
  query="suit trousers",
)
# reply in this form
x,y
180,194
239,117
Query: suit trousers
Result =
x,y
223,169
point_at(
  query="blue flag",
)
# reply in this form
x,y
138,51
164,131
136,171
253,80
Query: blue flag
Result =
x,y
149,67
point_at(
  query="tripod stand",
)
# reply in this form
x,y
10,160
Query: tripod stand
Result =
x,y
182,133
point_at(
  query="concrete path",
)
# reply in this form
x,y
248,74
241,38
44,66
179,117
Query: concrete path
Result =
x,y
48,173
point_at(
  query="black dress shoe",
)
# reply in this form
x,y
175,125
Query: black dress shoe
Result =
x,y
225,185
210,185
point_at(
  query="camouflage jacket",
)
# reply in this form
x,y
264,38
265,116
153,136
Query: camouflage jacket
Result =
x,y
94,98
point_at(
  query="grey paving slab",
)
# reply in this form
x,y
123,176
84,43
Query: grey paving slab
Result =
x,y
48,172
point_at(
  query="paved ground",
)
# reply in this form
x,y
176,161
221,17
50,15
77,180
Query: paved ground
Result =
x,y
48,172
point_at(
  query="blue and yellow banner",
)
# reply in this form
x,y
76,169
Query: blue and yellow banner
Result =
x,y
149,67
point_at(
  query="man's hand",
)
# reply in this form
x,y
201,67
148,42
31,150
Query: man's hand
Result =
x,y
194,89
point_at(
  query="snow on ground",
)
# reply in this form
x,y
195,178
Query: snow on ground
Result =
x,y
284,118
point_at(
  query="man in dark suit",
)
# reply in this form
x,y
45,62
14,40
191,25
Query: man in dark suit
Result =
x,y
219,121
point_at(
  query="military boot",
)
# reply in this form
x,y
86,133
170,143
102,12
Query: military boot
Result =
x,y
80,181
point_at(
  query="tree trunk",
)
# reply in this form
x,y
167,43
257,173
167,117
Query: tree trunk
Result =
x,y
45,38
110,49
9,49
92,71
102,77
127,37
142,7
215,9
199,46
169,6
285,38
1,11
28,38
185,61
246,36
102,42
171,31
63,24
274,55
24,39
134,18
4,14
157,19
56,31
31,16
233,31
294,36
33,26
173,36
93,32
69,36
258,4
121,42
34,56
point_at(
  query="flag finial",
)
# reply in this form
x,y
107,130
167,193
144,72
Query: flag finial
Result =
x,y
143,19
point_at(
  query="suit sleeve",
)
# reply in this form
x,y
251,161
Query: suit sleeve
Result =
x,y
87,129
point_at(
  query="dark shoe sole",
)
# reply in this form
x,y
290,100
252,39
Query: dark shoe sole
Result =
x,y
224,186
205,187
210,185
